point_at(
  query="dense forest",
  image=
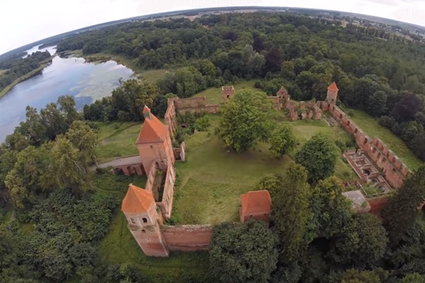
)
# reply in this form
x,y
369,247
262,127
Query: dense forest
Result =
x,y
16,68
60,211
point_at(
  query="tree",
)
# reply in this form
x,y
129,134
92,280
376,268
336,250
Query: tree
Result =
x,y
358,276
362,243
243,252
131,96
85,140
407,107
246,118
401,211
318,156
291,212
281,141
332,211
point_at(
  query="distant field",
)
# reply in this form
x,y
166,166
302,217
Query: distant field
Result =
x,y
212,179
213,94
116,139
372,128
2,72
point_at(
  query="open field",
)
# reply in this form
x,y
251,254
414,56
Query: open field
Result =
x,y
116,139
213,94
2,72
212,179
372,128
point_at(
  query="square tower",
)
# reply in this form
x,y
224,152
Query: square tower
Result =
x,y
332,94
154,143
140,209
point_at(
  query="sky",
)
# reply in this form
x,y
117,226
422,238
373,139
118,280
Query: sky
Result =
x,y
26,21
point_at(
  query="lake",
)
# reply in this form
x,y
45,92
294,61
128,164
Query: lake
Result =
x,y
85,81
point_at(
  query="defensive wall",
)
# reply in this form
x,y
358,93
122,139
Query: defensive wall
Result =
x,y
187,237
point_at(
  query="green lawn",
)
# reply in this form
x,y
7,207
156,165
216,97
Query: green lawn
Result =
x,y
213,94
212,179
372,128
120,247
116,139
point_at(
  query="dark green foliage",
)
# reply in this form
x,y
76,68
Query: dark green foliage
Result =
x,y
318,156
291,212
243,252
20,67
361,243
401,211
245,120
332,211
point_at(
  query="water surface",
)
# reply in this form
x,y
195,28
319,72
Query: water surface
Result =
x,y
65,76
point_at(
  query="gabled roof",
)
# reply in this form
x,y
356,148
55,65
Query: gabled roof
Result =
x,y
333,87
137,200
256,202
153,130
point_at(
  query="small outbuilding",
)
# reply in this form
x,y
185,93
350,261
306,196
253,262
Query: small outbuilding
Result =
x,y
256,205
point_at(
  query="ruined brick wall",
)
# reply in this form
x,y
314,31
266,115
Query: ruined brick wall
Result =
x,y
377,204
195,105
187,237
394,170
277,102
166,204
170,117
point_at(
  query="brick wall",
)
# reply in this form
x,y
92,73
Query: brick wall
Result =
x,y
377,204
187,237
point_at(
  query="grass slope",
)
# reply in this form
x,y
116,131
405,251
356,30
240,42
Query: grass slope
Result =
x,y
372,128
116,140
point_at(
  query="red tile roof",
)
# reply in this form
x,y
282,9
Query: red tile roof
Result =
x,y
153,130
256,202
333,87
137,200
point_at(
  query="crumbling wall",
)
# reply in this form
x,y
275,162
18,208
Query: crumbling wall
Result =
x,y
170,116
377,204
187,237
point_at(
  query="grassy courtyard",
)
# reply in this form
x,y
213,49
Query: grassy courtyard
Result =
x,y
372,128
212,179
116,140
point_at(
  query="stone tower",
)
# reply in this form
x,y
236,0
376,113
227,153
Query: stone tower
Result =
x,y
154,143
140,209
332,94
227,92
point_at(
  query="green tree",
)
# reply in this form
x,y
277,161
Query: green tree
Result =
x,y
291,212
362,243
243,252
281,141
85,140
359,276
400,213
246,119
332,211
318,156
131,97
413,278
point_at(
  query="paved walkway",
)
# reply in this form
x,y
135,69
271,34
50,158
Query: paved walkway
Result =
x,y
131,160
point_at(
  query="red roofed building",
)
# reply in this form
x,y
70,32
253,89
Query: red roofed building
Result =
x,y
332,94
140,209
256,205
154,143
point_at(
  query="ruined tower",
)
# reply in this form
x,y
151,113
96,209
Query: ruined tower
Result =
x,y
332,94
144,221
154,143
227,92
